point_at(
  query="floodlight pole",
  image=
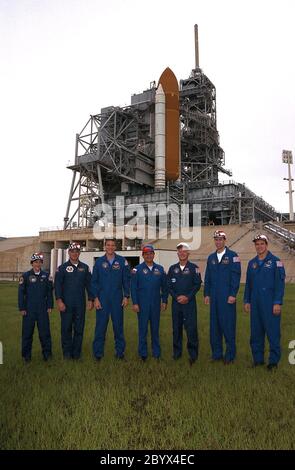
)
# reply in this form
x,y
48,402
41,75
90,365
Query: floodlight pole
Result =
x,y
288,158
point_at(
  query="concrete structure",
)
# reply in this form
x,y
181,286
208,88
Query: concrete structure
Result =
x,y
14,255
15,252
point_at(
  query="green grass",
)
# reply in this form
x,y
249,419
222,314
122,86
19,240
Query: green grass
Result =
x,y
131,405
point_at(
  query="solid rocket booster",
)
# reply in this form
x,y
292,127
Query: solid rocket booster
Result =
x,y
160,136
172,135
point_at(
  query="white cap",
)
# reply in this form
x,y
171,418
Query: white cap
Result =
x,y
184,246
219,234
260,237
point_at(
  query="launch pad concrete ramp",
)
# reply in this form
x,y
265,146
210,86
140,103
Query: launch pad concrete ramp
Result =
x,y
239,239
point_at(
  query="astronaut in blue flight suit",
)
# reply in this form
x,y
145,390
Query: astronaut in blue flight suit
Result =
x,y
184,281
71,280
263,298
222,281
35,302
149,292
111,289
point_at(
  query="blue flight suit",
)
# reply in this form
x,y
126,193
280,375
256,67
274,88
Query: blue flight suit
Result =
x,y
222,279
184,282
70,284
110,283
35,297
148,287
265,285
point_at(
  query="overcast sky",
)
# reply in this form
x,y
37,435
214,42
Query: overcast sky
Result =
x,y
62,60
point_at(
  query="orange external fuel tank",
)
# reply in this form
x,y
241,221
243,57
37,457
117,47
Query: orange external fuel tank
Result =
x,y
170,87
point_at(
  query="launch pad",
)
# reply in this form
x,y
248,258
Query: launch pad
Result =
x,y
162,149
153,156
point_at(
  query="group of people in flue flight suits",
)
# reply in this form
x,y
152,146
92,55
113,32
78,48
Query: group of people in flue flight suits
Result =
x,y
111,284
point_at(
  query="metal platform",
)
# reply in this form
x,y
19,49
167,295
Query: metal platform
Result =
x,y
115,155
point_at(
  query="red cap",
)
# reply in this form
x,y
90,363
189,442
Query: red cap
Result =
x,y
148,249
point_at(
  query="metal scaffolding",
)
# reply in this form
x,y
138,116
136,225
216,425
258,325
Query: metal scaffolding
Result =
x,y
201,155
115,155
